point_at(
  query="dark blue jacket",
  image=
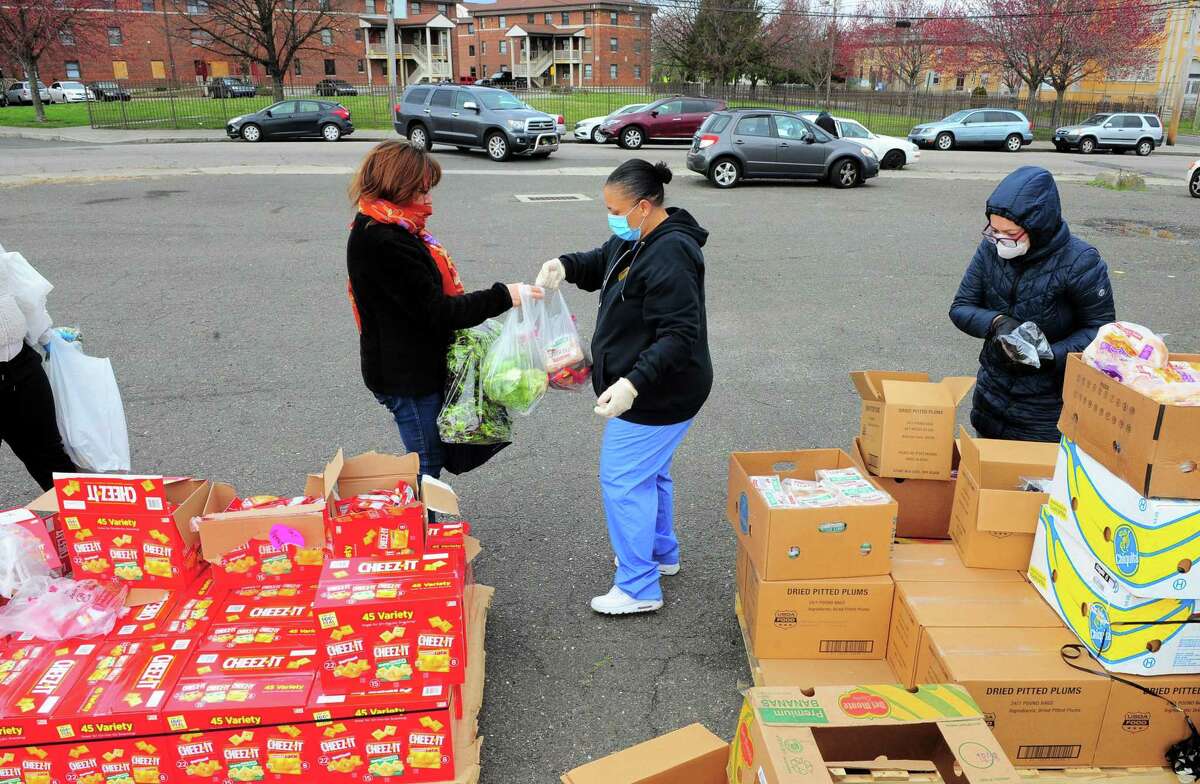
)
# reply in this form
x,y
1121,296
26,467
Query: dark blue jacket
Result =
x,y
1061,285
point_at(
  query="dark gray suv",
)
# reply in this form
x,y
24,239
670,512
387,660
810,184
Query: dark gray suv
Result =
x,y
474,117
769,144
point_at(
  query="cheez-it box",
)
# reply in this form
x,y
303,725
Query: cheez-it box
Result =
x,y
284,604
392,622
223,637
30,704
81,715
221,689
414,746
147,620
148,680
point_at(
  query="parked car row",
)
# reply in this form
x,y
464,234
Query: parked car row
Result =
x,y
66,91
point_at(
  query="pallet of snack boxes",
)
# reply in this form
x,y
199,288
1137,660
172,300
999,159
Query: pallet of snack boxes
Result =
x,y
337,634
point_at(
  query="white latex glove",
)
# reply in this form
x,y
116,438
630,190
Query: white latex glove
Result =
x,y
551,274
616,400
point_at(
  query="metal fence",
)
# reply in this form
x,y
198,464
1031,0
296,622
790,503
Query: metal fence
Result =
x,y
159,105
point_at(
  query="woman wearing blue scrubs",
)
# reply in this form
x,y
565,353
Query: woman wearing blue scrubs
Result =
x,y
651,371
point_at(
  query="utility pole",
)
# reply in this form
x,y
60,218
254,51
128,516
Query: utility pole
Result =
x,y
1179,94
394,8
832,49
171,62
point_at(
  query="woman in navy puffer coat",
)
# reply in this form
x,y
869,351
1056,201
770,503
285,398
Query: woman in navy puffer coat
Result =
x,y
1029,267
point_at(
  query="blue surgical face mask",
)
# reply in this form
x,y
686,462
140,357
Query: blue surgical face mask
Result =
x,y
619,225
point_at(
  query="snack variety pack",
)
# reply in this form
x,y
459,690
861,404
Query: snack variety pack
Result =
x,y
220,680
832,487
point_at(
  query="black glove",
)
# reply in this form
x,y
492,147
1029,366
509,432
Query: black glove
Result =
x,y
995,351
1002,325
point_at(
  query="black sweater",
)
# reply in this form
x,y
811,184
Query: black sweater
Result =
x,y
407,320
652,327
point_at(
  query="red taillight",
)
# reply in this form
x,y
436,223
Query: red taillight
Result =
x,y
562,120
396,108
342,112
708,140
1031,125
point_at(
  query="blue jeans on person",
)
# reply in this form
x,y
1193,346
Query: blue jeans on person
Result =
x,y
417,419
639,501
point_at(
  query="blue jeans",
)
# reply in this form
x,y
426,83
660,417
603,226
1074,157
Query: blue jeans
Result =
x,y
417,419
639,500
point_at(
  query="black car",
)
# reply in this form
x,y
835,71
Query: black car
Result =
x,y
109,91
502,79
335,87
293,119
229,87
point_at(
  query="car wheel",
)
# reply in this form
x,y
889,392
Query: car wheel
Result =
x,y
330,132
419,137
1145,147
1194,185
632,138
944,141
597,136
1013,142
725,173
1087,145
845,174
893,159
251,132
497,146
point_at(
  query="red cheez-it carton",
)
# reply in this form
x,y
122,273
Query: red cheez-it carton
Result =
x,y
133,528
27,764
415,746
381,524
242,688
287,604
393,622
30,704
259,561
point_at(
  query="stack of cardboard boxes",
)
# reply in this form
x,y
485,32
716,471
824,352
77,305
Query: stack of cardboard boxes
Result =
x,y
278,661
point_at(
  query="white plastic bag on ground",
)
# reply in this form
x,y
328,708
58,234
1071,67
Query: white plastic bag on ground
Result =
x,y
87,401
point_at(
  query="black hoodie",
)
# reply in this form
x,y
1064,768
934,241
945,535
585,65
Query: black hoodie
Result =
x,y
652,328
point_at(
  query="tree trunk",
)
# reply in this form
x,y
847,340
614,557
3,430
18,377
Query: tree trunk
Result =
x,y
276,74
1060,95
1031,103
35,93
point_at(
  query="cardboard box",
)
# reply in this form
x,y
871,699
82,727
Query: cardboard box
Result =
x,y
1150,446
924,504
1043,712
147,620
802,544
1125,633
241,688
792,736
938,562
83,715
993,520
691,755
281,604
907,426
30,703
1138,729
1148,545
809,673
845,618
922,606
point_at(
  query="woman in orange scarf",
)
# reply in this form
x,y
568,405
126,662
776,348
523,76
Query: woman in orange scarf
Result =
x,y
407,295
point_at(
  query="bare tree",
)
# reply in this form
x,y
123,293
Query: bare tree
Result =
x,y
1023,41
794,49
728,37
29,27
268,32
673,39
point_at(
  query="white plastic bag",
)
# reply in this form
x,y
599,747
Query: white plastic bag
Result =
x,y
59,608
567,360
29,289
87,402
1027,345
514,370
21,559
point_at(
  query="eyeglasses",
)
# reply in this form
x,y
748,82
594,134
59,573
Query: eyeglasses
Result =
x,y
991,236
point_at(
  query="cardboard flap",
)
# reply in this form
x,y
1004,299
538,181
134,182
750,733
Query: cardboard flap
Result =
x,y
1013,511
957,387
46,503
917,393
438,496
866,390
883,763
691,755
869,383
330,475
139,596
220,533
971,743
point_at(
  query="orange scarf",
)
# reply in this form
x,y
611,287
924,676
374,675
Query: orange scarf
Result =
x,y
411,218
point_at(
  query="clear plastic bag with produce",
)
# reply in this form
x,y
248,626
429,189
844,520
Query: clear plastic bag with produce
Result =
x,y
467,415
1027,345
514,370
567,361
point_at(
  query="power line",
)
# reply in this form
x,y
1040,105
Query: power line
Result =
x,y
779,10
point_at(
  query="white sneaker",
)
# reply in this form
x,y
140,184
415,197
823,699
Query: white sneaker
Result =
x,y
617,602
667,570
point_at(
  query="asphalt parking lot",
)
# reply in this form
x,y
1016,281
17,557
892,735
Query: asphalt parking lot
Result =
x,y
213,275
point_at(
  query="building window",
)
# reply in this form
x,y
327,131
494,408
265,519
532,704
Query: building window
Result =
x,y
612,71
327,38
148,6
612,17
503,21
66,36
114,36
637,72
197,7
358,34
120,69
471,50
485,68
587,17
473,72
549,19
529,18
299,69
369,6
637,46
587,72
959,82
331,67
443,8
361,66
612,44
72,69
587,44
470,28
158,69
199,37
504,47
566,18
637,19
483,47
414,8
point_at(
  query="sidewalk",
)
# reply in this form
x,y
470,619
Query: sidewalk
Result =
x,y
85,135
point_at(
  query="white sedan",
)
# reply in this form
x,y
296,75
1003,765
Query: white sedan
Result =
x,y
1194,180
589,129
69,92
892,151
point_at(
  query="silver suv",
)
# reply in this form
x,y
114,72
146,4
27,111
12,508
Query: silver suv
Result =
x,y
468,117
1116,131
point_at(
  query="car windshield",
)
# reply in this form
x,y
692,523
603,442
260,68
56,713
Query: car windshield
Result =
x,y
635,107
957,116
498,99
71,85
1096,119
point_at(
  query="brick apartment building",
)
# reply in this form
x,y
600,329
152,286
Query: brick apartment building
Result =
x,y
559,42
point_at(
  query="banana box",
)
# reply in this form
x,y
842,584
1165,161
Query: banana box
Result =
x,y
241,688
30,705
83,714
1150,637
222,637
1149,545
386,623
147,620
283,604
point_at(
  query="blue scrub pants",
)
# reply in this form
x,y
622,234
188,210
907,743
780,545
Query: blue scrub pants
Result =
x,y
635,482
